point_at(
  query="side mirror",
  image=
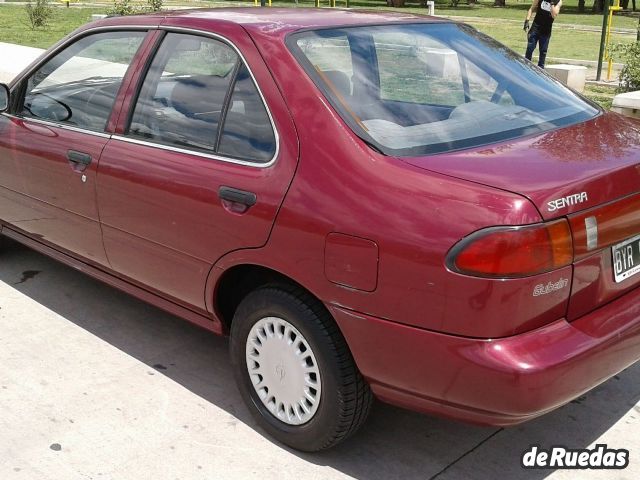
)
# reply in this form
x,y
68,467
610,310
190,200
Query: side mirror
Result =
x,y
42,106
4,98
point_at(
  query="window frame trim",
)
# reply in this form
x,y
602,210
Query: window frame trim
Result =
x,y
126,137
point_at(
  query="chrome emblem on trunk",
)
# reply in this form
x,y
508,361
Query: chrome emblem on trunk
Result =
x,y
567,201
542,289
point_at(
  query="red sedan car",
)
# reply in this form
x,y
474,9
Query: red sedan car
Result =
x,y
370,204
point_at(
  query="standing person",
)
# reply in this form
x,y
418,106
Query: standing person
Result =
x,y
540,33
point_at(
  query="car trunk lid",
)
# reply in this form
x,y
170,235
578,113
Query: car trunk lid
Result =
x,y
561,171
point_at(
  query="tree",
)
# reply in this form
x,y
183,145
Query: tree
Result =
x,y
499,3
598,6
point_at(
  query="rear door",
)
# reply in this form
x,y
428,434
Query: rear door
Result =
x,y
52,146
201,165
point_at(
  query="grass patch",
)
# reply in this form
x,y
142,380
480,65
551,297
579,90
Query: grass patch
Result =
x,y
601,94
574,36
14,26
565,42
515,10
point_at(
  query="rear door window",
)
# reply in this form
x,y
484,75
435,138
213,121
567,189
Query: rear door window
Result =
x,y
199,95
182,98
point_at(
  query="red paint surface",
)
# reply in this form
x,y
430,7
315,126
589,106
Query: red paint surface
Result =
x,y
500,382
351,261
426,338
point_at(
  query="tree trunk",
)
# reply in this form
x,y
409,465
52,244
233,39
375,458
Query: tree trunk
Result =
x,y
624,4
598,6
395,3
500,3
581,6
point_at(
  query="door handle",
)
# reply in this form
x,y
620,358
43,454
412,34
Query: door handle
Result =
x,y
235,195
79,158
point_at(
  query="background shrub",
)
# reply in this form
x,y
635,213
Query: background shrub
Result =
x,y
125,7
629,54
39,13
155,5
122,7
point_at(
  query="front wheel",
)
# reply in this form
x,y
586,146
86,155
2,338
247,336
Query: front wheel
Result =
x,y
294,369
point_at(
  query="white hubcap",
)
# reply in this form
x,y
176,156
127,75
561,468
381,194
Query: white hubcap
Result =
x,y
283,370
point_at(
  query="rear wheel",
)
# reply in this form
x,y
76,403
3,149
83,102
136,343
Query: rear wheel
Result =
x,y
294,369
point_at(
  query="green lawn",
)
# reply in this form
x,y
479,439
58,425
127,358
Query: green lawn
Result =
x,y
14,26
569,41
565,43
600,94
515,10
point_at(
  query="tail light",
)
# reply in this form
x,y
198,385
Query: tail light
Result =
x,y
508,252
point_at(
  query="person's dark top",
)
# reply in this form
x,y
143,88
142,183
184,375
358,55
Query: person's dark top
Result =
x,y
543,19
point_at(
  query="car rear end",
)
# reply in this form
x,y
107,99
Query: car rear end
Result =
x,y
576,313
508,319
566,286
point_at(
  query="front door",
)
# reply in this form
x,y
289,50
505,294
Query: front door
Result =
x,y
52,145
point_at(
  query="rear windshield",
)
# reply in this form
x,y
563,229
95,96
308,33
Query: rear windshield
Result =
x,y
416,89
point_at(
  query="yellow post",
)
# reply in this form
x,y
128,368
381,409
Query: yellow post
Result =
x,y
607,53
255,3
317,3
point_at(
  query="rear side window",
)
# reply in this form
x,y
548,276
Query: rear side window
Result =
x,y
199,95
332,57
78,86
247,132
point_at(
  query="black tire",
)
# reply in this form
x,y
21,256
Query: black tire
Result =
x,y
345,399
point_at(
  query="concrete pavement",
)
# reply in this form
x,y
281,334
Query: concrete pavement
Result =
x,y
97,385
14,59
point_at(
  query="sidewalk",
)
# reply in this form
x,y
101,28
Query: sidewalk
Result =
x,y
98,385
15,58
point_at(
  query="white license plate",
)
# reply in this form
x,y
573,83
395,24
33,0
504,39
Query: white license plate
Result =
x,y
626,259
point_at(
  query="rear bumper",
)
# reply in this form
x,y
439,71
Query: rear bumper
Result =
x,y
497,382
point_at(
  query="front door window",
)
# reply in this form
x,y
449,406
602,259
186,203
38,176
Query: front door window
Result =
x,y
78,86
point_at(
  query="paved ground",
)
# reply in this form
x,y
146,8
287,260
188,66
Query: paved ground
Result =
x,y
97,385
14,59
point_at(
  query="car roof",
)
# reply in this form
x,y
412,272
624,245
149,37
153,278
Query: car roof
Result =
x,y
280,21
